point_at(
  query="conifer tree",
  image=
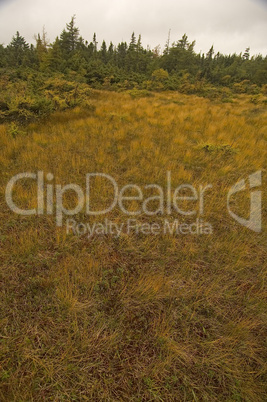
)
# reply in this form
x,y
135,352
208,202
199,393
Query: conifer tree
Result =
x,y
103,52
69,37
18,49
95,43
132,45
246,54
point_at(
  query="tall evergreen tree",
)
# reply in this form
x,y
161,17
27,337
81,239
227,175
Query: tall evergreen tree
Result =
x,y
246,54
132,45
18,50
103,52
69,37
111,52
55,60
95,43
41,48
3,56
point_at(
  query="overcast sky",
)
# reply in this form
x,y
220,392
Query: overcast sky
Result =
x,y
229,25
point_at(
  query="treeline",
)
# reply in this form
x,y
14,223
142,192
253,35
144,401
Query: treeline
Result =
x,y
130,65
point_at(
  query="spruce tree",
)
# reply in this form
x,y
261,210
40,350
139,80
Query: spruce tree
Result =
x,y
103,52
18,50
69,37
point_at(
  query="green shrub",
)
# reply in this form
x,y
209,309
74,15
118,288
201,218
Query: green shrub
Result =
x,y
139,93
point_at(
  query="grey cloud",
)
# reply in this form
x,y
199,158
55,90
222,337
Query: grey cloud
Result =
x,y
231,25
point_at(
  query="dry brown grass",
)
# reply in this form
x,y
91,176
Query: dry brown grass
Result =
x,y
137,318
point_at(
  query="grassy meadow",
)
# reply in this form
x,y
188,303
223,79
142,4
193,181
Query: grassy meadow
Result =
x,y
137,317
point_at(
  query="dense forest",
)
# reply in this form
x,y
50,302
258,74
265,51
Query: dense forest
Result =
x,y
126,66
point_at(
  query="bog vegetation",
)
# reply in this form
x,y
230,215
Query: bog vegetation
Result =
x,y
135,318
141,318
37,79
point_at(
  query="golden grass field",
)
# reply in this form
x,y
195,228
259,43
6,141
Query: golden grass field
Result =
x,y
138,317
